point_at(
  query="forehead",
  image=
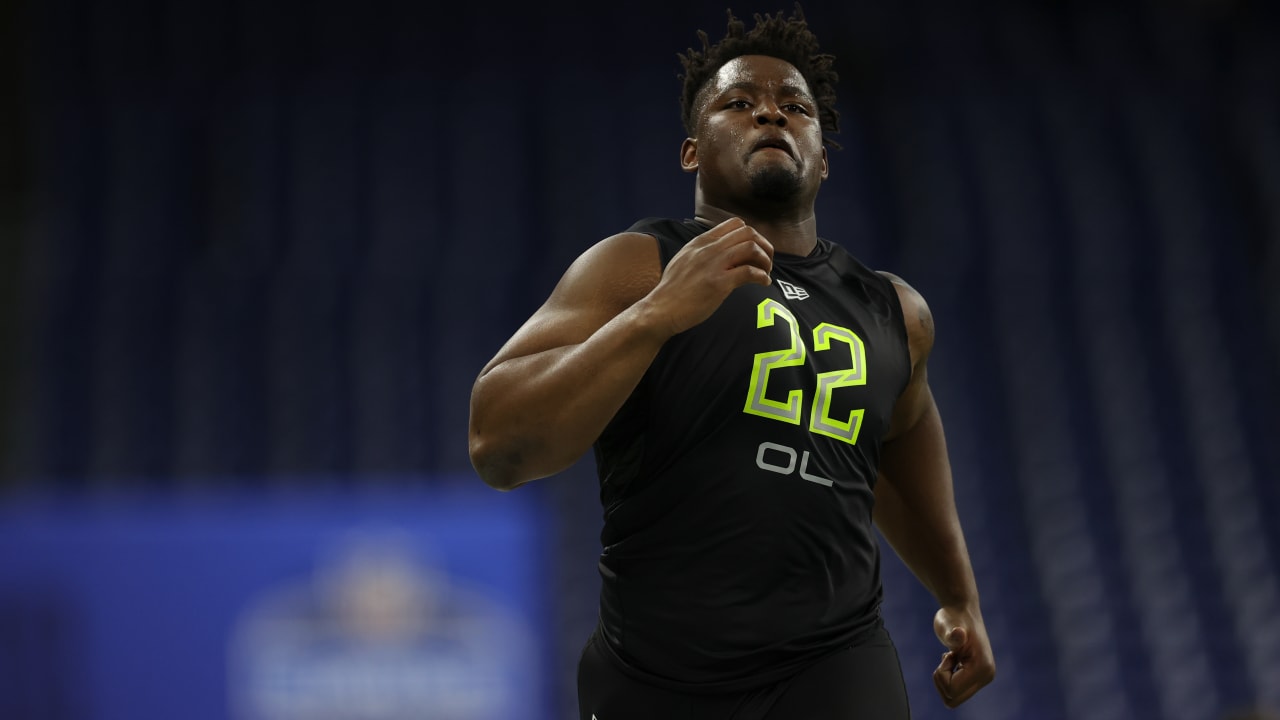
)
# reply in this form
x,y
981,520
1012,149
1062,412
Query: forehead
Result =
x,y
757,70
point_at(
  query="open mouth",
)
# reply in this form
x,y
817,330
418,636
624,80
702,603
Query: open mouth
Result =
x,y
774,144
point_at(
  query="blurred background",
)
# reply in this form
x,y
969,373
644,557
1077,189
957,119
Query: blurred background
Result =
x,y
253,254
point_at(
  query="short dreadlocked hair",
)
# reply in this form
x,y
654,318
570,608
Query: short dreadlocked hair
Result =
x,y
787,39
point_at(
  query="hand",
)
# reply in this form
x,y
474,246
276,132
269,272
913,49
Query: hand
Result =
x,y
967,665
707,269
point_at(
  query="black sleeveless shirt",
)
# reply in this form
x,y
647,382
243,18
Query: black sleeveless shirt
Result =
x,y
736,481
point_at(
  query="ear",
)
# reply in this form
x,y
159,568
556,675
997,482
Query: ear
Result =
x,y
824,163
689,155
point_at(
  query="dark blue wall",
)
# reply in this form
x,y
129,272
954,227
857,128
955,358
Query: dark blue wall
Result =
x,y
259,244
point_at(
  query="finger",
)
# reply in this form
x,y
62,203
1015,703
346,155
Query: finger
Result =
x,y
749,253
944,690
956,638
943,676
743,274
964,684
731,222
944,669
952,692
957,681
950,659
720,230
747,234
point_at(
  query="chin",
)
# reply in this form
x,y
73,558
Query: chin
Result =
x,y
775,184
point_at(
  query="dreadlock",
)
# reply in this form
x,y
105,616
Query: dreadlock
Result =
x,y
787,39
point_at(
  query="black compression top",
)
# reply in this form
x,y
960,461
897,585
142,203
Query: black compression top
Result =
x,y
737,479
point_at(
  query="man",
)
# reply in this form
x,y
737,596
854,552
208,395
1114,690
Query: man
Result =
x,y
753,395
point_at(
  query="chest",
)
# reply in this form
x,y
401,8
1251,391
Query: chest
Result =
x,y
809,351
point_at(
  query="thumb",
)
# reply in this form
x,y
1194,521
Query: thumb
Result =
x,y
956,637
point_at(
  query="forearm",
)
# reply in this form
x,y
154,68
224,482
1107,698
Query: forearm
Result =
x,y
915,510
535,415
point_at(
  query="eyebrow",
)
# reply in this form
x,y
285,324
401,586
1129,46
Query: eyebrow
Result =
x,y
792,90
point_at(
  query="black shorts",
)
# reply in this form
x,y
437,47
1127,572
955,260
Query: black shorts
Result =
x,y
857,683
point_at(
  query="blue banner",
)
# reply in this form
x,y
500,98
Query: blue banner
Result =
x,y
299,606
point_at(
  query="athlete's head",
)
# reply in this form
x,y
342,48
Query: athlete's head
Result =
x,y
787,39
757,106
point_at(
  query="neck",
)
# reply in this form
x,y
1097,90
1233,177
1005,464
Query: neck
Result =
x,y
791,232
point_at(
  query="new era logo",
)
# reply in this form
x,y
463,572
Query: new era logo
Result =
x,y
792,292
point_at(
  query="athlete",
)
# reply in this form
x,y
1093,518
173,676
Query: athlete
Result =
x,y
755,398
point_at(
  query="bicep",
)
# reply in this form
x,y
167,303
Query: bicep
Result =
x,y
605,280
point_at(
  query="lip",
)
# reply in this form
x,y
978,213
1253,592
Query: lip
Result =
x,y
776,142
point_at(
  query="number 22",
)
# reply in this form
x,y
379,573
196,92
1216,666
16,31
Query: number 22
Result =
x,y
820,420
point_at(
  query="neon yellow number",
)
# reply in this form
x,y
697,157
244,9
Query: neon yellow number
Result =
x,y
767,314
820,420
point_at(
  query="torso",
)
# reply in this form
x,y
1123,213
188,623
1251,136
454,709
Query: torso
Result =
x,y
737,480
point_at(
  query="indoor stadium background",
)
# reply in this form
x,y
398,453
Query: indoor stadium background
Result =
x,y
253,254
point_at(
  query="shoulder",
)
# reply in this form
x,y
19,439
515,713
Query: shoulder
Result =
x,y
916,316
615,271
603,281
671,234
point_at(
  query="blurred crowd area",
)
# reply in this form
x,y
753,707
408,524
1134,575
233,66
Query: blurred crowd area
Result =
x,y
264,248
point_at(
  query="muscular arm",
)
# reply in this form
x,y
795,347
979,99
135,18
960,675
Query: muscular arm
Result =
x,y
541,402
915,510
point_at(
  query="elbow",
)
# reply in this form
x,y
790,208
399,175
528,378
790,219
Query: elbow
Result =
x,y
497,479
498,468
508,456
493,462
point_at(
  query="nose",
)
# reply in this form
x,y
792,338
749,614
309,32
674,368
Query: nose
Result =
x,y
769,113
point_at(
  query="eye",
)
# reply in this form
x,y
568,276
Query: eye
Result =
x,y
797,108
737,104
